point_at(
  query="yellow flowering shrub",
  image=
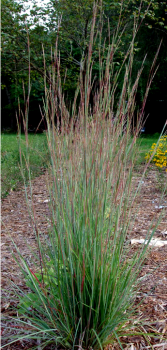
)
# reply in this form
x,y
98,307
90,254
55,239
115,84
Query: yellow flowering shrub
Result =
x,y
160,156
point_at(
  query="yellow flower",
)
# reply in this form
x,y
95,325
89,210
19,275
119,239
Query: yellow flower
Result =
x,y
160,157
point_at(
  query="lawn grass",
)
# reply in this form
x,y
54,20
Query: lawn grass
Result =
x,y
11,177
145,142
10,159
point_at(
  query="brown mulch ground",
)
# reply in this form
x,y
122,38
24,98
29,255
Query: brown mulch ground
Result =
x,y
16,224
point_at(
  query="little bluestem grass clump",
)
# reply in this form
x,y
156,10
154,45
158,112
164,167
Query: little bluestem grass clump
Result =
x,y
82,290
83,285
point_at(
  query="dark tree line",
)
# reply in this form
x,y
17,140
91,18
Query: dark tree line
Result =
x,y
27,39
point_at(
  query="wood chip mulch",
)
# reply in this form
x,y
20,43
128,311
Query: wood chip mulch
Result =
x,y
152,296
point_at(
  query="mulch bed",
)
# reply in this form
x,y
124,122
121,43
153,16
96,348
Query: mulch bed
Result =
x,y
152,296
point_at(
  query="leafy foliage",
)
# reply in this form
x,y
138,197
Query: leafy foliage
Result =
x,y
71,21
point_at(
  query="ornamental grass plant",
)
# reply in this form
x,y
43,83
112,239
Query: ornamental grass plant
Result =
x,y
82,289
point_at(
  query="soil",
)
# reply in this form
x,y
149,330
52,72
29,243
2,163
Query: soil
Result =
x,y
152,296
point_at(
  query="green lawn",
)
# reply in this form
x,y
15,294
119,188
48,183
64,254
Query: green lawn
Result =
x,y
145,142
10,159
11,177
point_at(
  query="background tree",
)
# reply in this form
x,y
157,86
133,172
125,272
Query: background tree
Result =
x,y
19,39
40,30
